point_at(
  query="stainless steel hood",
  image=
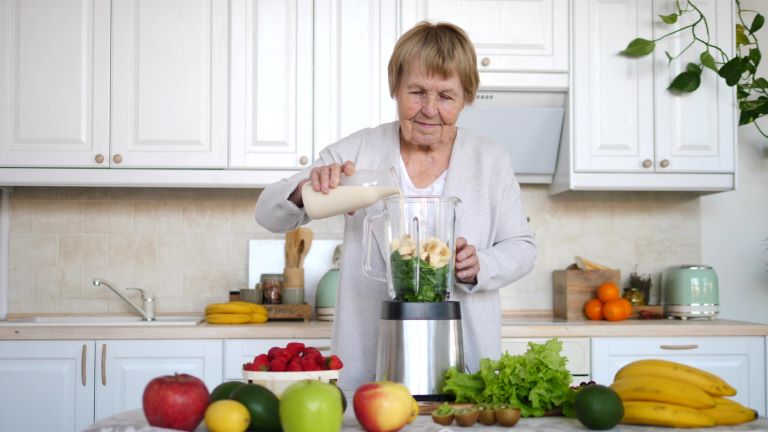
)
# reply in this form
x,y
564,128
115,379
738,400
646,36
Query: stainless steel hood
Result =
x,y
527,124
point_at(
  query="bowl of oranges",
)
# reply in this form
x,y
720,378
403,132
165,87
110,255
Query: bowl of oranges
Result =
x,y
609,305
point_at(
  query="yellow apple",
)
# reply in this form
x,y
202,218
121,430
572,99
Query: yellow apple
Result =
x,y
383,406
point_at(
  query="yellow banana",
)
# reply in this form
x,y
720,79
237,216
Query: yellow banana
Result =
x,y
228,318
255,308
258,318
664,414
730,412
223,308
662,389
710,383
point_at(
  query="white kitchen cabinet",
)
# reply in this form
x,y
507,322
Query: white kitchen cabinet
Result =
x,y
240,351
576,350
624,130
519,44
169,84
739,360
46,386
54,82
124,367
271,84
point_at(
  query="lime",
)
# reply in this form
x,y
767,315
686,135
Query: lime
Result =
x,y
598,407
223,390
227,416
262,404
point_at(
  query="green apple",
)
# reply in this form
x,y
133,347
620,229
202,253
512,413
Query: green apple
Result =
x,y
311,405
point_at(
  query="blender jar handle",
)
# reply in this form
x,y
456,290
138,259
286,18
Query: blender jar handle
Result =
x,y
368,243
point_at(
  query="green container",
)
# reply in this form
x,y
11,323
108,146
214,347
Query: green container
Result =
x,y
326,289
690,291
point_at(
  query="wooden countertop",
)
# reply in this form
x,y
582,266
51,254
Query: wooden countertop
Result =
x,y
511,328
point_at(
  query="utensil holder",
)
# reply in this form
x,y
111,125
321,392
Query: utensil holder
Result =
x,y
293,277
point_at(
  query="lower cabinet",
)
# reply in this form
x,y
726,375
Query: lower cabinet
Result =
x,y
576,350
75,383
739,360
240,351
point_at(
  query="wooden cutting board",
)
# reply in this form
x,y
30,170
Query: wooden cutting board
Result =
x,y
426,408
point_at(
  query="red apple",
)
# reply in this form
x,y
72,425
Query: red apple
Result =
x,y
175,401
383,406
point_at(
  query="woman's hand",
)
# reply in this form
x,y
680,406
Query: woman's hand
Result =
x,y
323,179
467,263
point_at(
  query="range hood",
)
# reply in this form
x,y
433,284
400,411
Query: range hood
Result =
x,y
527,123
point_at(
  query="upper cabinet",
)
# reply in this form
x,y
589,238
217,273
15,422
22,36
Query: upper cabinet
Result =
x,y
271,84
519,44
54,82
169,84
625,130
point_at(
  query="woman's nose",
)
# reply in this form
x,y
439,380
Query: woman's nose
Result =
x,y
429,108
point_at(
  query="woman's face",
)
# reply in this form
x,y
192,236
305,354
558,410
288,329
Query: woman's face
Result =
x,y
428,105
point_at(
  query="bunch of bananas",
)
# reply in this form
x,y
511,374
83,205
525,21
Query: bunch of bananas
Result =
x,y
235,312
665,393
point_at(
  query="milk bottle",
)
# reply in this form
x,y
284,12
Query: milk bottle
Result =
x,y
354,192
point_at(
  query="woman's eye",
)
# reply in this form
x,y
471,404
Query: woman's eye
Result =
x,y
445,97
417,92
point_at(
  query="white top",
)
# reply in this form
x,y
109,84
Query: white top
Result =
x,y
409,189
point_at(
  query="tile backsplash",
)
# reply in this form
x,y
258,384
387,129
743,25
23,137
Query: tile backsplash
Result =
x,y
190,246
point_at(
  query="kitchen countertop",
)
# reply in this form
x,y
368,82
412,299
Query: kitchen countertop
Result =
x,y
511,328
134,421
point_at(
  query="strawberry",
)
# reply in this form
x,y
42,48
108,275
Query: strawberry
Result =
x,y
261,362
310,351
296,348
334,362
249,367
294,366
278,365
272,352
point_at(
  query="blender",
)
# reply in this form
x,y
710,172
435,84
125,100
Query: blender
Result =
x,y
419,334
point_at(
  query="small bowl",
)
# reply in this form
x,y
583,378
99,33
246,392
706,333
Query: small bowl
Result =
x,y
277,382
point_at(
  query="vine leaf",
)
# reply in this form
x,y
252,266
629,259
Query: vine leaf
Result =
x,y
693,67
708,61
639,47
741,36
686,82
757,23
755,56
669,19
731,71
760,83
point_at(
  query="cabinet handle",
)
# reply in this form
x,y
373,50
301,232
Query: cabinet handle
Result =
x,y
99,158
323,348
647,163
117,158
678,347
82,364
303,160
485,61
664,163
104,364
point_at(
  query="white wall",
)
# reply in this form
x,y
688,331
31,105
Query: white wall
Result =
x,y
734,225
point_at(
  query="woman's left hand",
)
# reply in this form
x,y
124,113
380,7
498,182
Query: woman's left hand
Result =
x,y
467,263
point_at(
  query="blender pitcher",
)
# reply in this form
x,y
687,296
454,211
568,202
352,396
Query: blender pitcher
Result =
x,y
419,246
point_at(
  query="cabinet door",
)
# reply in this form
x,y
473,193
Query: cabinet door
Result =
x,y
46,386
239,351
54,82
123,368
576,350
612,94
695,132
509,35
169,84
271,83
739,360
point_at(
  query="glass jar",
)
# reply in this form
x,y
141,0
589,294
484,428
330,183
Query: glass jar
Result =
x,y
634,296
272,287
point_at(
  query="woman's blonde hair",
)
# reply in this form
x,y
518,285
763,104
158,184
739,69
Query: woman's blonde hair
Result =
x,y
444,49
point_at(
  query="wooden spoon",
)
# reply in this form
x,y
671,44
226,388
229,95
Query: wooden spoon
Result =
x,y
305,236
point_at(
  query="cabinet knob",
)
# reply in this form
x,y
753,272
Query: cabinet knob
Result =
x,y
664,163
99,158
117,158
303,160
647,163
485,61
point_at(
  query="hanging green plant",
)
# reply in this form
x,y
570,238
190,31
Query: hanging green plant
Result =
x,y
739,70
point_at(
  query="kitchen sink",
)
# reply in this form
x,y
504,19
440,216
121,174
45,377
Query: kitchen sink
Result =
x,y
103,320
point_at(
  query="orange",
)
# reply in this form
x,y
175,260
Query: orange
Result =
x,y
627,306
608,291
593,309
615,310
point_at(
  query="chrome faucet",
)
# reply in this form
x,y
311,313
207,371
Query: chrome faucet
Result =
x,y
148,300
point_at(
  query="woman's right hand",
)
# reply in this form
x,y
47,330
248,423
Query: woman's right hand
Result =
x,y
326,177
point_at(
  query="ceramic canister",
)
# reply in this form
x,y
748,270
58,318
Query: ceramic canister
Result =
x,y
690,291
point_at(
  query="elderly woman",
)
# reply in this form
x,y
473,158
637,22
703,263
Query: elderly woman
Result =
x,y
432,76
